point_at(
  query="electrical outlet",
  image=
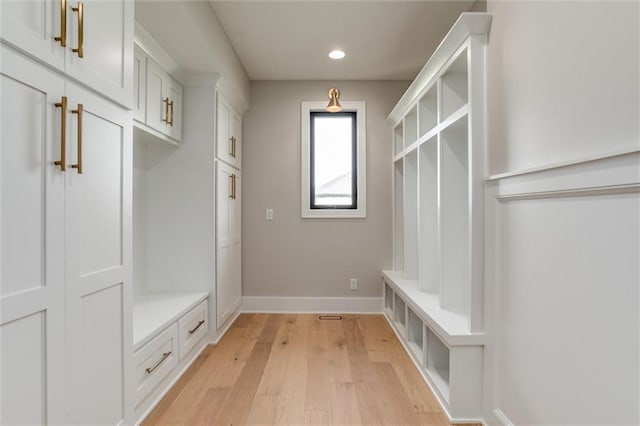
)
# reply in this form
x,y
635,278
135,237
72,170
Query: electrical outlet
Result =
x,y
353,284
269,214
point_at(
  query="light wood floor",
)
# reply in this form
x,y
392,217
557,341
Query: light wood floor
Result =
x,y
299,370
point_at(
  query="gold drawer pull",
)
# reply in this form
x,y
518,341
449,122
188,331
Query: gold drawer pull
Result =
x,y
170,120
78,165
80,49
62,162
62,38
196,327
164,357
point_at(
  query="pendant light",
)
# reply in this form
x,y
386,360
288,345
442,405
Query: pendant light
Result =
x,y
334,104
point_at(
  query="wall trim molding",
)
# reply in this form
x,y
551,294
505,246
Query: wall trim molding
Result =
x,y
346,305
502,418
616,174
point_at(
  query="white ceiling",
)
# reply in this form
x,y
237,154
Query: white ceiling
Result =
x,y
290,40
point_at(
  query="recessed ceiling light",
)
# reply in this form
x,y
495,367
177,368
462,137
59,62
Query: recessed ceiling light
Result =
x,y
336,54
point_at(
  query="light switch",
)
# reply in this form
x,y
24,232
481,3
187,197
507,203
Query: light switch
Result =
x,y
269,214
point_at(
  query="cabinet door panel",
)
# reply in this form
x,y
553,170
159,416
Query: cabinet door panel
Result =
x,y
32,244
223,142
235,211
32,25
107,63
156,105
223,201
175,95
236,131
139,84
99,261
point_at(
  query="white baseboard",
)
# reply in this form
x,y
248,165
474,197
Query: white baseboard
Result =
x,y
501,417
344,305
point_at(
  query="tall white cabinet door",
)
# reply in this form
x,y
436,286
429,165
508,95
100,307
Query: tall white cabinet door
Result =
x,y
139,84
157,108
32,25
99,282
106,40
174,93
223,137
228,285
235,124
32,336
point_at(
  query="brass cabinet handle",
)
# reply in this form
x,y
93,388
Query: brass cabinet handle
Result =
x,y
164,357
170,104
62,38
234,186
234,147
231,146
80,49
231,178
196,327
79,111
63,134
165,101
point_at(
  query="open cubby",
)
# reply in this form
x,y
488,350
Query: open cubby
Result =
x,y
399,312
415,334
454,202
455,86
438,363
428,274
411,215
398,140
398,205
428,111
388,297
411,127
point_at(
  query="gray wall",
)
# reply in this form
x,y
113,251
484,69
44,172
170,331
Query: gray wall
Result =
x,y
291,256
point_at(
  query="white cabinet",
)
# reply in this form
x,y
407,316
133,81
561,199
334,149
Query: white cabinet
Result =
x,y
155,361
32,255
229,133
162,110
89,40
66,286
228,247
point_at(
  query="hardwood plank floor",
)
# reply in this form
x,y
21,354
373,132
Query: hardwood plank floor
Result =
x,y
299,370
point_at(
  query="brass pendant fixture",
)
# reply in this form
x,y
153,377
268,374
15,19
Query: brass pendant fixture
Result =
x,y
334,104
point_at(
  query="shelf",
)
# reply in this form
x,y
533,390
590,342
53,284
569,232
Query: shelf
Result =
x,y
428,227
428,111
410,127
411,215
438,363
398,140
453,327
399,314
415,334
398,215
455,212
455,86
154,312
388,298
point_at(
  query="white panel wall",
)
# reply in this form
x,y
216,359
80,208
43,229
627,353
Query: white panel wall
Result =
x,y
562,272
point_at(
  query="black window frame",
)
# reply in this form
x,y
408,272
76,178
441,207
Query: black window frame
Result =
x,y
354,161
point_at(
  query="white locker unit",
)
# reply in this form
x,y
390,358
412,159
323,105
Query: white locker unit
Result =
x,y
73,36
65,289
228,247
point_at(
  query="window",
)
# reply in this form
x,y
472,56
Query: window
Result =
x,y
333,160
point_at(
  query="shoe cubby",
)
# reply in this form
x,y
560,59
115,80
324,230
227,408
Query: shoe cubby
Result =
x,y
438,363
398,215
411,215
428,111
398,140
410,127
388,298
400,314
415,335
428,274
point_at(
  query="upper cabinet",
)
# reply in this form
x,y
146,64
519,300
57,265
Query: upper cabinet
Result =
x,y
89,40
157,99
229,133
